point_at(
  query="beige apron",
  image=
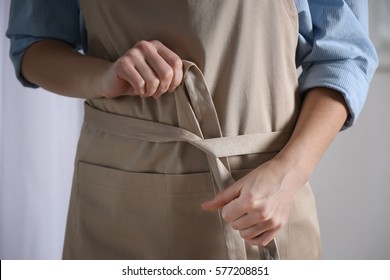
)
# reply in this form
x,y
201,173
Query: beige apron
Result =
x,y
144,166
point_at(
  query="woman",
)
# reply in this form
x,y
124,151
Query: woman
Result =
x,y
219,70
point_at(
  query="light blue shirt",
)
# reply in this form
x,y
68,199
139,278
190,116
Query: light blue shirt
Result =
x,y
333,49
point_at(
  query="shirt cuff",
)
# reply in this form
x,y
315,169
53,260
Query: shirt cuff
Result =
x,y
345,77
16,55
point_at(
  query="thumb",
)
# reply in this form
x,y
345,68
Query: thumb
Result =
x,y
222,198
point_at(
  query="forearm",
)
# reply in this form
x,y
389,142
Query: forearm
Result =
x,y
57,67
322,115
147,69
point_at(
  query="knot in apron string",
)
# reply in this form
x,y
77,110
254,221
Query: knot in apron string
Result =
x,y
198,126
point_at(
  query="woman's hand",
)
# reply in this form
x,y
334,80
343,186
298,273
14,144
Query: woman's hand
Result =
x,y
259,204
147,69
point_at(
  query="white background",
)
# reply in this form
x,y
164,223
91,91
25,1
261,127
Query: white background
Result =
x,y
38,136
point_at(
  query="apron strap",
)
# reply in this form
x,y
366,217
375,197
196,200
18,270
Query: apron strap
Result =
x,y
199,126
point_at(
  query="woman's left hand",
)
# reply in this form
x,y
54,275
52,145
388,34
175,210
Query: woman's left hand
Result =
x,y
259,204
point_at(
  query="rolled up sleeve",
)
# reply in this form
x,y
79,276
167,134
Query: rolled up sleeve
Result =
x,y
35,20
335,51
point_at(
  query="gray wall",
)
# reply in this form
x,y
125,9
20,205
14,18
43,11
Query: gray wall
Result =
x,y
352,182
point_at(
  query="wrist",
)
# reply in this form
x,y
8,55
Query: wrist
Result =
x,y
101,79
294,168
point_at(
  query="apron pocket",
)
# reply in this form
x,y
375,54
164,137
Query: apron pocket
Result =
x,y
132,215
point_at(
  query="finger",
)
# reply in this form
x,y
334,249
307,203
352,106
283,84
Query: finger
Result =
x,y
162,70
136,58
245,221
234,210
255,231
177,66
127,72
174,62
263,239
152,82
222,198
239,207
257,212
156,64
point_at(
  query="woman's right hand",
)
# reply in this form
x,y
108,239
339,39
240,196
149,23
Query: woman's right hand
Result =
x,y
147,69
